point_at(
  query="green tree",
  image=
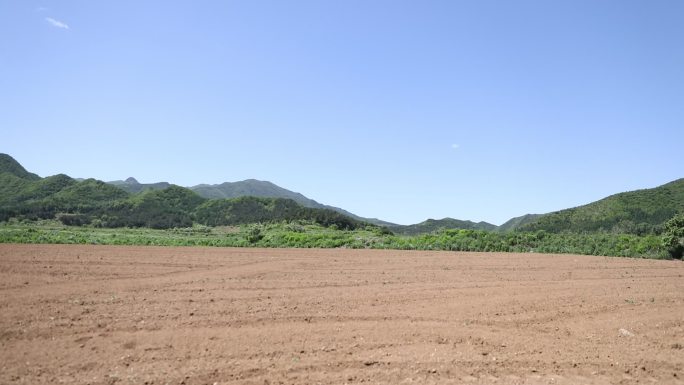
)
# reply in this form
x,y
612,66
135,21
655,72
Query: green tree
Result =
x,y
673,236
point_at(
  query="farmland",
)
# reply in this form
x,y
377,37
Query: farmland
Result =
x,y
195,315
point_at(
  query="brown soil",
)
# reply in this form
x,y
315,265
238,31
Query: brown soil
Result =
x,y
143,315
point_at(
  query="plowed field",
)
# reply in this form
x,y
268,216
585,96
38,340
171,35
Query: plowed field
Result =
x,y
147,315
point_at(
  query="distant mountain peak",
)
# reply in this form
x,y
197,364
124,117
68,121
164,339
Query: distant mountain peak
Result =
x,y
431,225
131,185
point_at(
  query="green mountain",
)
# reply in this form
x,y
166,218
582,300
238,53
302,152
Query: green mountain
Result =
x,y
265,189
249,187
86,195
432,225
517,222
131,204
250,209
47,197
161,205
11,166
635,212
132,186
15,190
178,206
157,209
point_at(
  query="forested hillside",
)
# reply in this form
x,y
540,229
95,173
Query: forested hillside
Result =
x,y
517,222
245,188
24,195
635,212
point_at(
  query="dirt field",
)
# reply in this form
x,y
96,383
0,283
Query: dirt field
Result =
x,y
145,315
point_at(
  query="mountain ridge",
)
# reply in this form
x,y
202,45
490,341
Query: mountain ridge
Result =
x,y
516,222
635,212
247,187
92,202
433,225
638,212
131,185
11,166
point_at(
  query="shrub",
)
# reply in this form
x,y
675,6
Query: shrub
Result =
x,y
73,219
254,234
673,236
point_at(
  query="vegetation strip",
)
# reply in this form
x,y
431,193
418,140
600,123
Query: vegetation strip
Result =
x,y
312,235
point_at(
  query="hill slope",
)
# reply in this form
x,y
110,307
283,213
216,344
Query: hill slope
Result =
x,y
265,189
47,197
432,225
249,187
11,166
159,209
636,212
250,209
517,222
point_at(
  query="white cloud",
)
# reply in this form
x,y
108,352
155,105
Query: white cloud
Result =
x,y
41,9
455,146
56,23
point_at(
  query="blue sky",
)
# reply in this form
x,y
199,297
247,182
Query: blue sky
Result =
x,y
401,110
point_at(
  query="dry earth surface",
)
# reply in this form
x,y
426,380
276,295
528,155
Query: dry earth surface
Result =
x,y
152,315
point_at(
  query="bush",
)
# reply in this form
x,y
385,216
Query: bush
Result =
x,y
673,236
295,227
254,234
73,219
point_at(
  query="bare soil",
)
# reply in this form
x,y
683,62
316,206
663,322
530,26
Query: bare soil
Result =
x,y
152,315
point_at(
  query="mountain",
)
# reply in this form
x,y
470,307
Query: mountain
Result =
x,y
11,166
432,225
515,223
265,189
635,212
47,197
158,209
132,204
86,195
251,209
249,187
132,186
15,190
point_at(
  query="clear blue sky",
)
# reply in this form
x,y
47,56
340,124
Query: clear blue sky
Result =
x,y
401,110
